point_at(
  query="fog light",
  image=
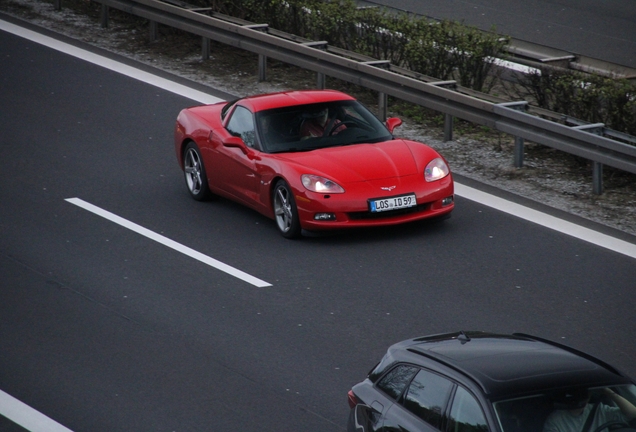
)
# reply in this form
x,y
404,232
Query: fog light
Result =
x,y
447,201
325,216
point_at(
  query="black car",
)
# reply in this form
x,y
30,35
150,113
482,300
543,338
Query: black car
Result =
x,y
478,382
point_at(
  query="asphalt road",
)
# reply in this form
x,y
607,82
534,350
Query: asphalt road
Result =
x,y
602,30
102,329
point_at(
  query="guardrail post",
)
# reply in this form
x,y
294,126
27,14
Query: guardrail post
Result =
x,y
205,42
153,31
205,48
262,67
448,119
383,98
262,59
448,127
103,16
597,167
321,79
518,151
597,178
383,106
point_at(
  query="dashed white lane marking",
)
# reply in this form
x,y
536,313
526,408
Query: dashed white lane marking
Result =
x,y
169,243
25,416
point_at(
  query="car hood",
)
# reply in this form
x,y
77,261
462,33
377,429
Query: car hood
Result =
x,y
359,162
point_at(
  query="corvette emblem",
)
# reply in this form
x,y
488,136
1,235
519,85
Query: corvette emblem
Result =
x,y
388,188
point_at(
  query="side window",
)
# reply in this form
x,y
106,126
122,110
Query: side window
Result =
x,y
427,396
394,382
466,414
242,124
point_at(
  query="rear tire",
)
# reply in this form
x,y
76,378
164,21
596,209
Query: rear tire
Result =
x,y
285,211
195,176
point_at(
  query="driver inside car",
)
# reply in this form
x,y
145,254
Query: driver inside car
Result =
x,y
319,124
575,413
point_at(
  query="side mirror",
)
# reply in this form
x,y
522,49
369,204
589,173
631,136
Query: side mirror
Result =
x,y
392,123
236,142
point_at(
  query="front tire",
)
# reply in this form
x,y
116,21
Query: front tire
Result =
x,y
285,211
194,171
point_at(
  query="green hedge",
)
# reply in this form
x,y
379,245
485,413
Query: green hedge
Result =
x,y
591,98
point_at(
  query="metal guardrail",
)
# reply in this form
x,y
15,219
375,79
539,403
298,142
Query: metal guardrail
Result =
x,y
591,142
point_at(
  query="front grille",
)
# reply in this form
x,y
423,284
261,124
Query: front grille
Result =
x,y
389,214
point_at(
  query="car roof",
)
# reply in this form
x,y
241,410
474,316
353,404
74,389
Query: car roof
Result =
x,y
507,365
290,98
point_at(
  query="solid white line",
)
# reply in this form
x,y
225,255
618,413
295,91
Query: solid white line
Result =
x,y
169,243
30,419
113,65
547,221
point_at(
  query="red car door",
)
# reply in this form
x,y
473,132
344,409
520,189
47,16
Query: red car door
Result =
x,y
234,158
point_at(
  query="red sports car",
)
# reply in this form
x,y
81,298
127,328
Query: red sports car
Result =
x,y
311,160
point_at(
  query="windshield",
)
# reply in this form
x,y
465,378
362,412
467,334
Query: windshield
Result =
x,y
609,409
314,126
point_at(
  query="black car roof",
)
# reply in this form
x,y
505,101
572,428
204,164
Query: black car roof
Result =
x,y
507,365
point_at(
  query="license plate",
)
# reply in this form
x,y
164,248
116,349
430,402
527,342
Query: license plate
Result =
x,y
393,203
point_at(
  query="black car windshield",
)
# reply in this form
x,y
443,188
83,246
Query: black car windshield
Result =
x,y
314,126
567,410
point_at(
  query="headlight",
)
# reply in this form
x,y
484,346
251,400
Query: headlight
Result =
x,y
320,184
436,169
